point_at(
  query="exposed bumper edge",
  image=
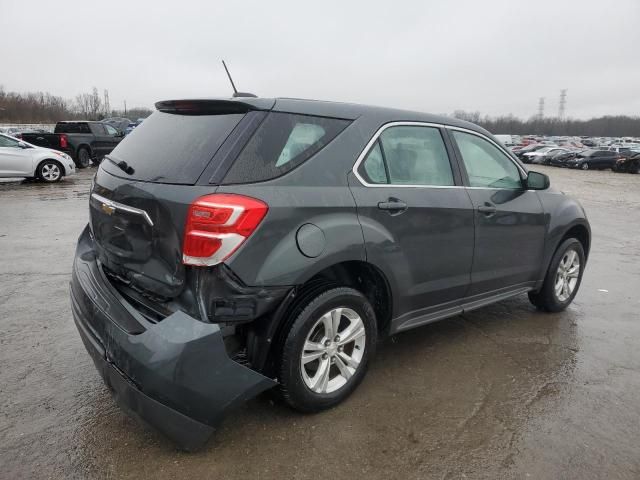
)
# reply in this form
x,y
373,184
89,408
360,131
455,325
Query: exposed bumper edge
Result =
x,y
186,432
175,375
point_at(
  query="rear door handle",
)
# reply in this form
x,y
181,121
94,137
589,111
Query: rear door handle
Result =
x,y
393,206
487,209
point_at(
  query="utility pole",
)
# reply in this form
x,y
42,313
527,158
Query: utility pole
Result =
x,y
541,108
125,108
563,103
107,106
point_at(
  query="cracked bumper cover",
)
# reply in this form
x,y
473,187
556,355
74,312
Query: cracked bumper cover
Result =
x,y
175,375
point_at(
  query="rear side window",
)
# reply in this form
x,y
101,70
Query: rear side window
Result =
x,y
281,143
172,148
80,127
408,155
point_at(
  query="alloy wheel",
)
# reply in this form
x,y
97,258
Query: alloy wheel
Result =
x,y
333,350
51,172
567,275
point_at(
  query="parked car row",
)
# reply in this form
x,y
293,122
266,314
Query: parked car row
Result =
x,y
619,155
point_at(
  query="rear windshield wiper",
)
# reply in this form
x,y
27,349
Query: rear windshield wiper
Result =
x,y
122,165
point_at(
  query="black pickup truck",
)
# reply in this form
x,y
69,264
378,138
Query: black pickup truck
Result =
x,y
83,141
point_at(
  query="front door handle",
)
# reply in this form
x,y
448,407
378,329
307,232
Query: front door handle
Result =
x,y
487,209
393,206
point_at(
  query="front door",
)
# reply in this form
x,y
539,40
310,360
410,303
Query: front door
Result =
x,y
112,139
510,223
417,220
15,161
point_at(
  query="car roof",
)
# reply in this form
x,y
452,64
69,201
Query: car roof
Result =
x,y
348,111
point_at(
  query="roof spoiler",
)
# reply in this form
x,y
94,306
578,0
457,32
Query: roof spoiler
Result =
x,y
214,106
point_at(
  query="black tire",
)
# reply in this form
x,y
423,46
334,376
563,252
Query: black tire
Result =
x,y
83,157
293,388
584,166
50,171
547,299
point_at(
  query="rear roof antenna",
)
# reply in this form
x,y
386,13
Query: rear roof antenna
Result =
x,y
236,93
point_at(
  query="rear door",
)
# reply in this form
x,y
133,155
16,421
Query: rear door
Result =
x,y
607,160
417,219
509,220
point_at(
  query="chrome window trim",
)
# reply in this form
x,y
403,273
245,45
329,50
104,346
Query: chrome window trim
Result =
x,y
373,140
500,147
124,208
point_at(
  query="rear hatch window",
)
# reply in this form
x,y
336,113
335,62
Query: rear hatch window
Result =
x,y
172,148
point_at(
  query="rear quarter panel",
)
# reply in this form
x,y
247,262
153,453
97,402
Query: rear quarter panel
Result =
x,y
316,192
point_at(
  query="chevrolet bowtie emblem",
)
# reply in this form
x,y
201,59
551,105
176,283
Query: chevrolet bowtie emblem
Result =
x,y
108,209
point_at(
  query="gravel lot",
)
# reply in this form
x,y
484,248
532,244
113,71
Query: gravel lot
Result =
x,y
503,392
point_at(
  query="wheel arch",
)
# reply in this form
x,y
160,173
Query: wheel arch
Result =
x,y
86,146
580,232
43,160
266,336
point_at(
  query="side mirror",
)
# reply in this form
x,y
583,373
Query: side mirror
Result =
x,y
537,181
23,145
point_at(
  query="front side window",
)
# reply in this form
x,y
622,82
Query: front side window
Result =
x,y
281,143
486,165
408,155
111,131
8,142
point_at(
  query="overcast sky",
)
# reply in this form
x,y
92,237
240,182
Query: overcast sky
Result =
x,y
496,57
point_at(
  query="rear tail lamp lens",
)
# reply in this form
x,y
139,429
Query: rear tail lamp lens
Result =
x,y
217,225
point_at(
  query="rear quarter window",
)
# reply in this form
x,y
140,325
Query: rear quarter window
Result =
x,y
281,143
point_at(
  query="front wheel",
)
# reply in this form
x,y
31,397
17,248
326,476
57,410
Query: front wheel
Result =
x,y
50,171
584,166
327,350
563,278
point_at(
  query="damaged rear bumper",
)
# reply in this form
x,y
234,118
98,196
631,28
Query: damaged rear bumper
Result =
x,y
175,375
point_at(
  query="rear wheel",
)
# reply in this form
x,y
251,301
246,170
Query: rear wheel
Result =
x,y
50,171
83,158
327,351
563,278
584,166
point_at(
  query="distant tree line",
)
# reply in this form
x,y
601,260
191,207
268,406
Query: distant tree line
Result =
x,y
40,107
607,126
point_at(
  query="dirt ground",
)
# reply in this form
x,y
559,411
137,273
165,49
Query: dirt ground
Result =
x,y
503,392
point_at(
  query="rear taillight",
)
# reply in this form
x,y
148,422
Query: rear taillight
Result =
x,y
64,143
217,225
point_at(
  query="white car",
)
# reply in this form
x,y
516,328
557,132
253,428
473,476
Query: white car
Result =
x,y
21,159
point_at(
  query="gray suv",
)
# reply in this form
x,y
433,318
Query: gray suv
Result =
x,y
239,245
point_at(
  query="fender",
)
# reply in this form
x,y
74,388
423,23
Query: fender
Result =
x,y
563,213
